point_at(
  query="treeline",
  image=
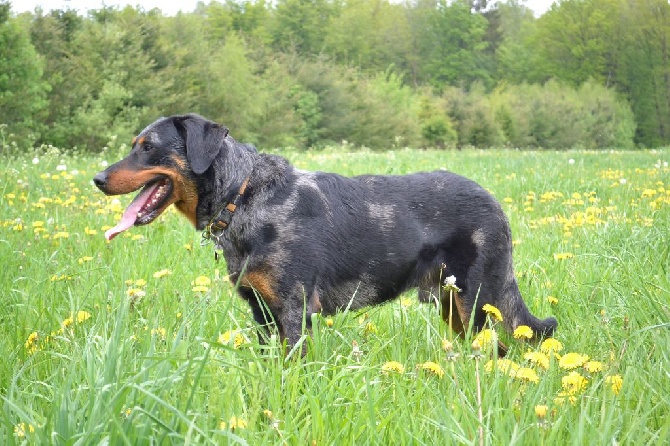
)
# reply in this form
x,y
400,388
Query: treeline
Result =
x,y
303,73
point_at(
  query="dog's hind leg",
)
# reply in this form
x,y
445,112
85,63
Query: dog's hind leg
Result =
x,y
452,312
448,302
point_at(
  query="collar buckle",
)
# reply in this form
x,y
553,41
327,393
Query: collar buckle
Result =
x,y
221,220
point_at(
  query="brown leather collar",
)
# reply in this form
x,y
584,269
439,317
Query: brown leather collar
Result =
x,y
222,219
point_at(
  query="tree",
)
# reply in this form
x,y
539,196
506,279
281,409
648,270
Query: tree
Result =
x,y
646,68
299,25
22,90
452,45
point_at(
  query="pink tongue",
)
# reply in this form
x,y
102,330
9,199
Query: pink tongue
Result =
x,y
130,215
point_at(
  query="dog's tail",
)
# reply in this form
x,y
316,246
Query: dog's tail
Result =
x,y
516,313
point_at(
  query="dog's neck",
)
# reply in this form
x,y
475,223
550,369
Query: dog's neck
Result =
x,y
222,182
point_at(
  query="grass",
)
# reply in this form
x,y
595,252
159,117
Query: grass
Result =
x,y
109,342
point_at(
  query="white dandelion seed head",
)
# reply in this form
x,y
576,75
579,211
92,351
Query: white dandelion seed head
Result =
x,y
622,181
450,281
103,163
36,160
571,161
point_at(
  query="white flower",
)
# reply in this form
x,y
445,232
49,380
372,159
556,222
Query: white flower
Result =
x,y
61,167
103,163
571,161
36,160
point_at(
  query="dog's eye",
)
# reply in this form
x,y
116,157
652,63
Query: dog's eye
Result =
x,y
146,147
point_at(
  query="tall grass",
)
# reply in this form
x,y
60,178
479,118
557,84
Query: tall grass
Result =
x,y
109,342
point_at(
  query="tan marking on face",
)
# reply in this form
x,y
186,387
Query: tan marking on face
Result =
x,y
141,140
180,162
184,191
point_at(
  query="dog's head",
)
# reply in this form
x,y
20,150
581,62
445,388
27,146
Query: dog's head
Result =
x,y
165,162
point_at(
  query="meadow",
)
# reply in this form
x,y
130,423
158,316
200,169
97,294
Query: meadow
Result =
x,y
142,340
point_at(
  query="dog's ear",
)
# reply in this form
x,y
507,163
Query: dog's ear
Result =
x,y
204,140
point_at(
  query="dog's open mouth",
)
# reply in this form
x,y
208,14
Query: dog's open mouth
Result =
x,y
146,206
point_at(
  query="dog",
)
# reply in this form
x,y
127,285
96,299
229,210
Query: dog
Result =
x,y
298,243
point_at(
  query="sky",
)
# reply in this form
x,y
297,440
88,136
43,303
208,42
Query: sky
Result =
x,y
169,7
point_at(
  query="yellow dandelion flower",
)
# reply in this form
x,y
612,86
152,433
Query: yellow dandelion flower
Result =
x,y
594,366
237,338
523,331
200,289
541,411
85,259
89,231
393,366
574,383
552,300
370,327
572,360
432,368
21,429
563,255
615,382
31,342
67,322
188,247
140,283
160,332
526,374
202,281
136,293
406,302
538,358
562,397
550,345
493,312
329,322
485,338
61,234
82,316
234,423
506,366
162,273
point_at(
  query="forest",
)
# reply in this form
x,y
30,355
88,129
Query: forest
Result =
x,y
373,73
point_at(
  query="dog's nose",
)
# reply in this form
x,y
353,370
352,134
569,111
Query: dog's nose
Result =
x,y
100,179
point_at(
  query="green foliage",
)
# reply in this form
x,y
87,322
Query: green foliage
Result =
x,y
255,67
553,115
22,90
109,343
454,45
473,117
436,127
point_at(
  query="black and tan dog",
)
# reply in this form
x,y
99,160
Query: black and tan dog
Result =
x,y
302,242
